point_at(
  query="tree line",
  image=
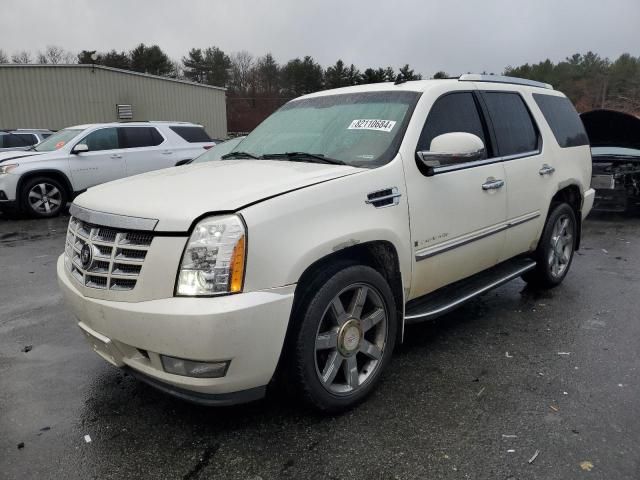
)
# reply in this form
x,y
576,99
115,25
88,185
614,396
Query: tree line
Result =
x,y
258,85
590,80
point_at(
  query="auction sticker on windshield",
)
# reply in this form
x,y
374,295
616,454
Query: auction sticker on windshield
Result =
x,y
372,124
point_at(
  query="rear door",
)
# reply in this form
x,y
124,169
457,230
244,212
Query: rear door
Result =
x,y
191,141
456,220
102,163
144,149
528,187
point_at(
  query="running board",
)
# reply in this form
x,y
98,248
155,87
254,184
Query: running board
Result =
x,y
452,296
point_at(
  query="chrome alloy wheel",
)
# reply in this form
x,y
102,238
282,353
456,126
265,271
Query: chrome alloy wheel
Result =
x,y
45,198
561,246
350,341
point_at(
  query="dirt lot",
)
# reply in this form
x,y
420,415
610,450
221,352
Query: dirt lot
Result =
x,y
473,396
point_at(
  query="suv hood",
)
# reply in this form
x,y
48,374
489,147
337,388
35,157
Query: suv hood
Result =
x,y
610,128
12,155
177,196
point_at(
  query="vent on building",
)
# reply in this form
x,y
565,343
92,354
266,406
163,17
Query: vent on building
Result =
x,y
125,112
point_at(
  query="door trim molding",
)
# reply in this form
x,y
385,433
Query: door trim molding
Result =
x,y
466,239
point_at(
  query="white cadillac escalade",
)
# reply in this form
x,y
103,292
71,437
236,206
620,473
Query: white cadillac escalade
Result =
x,y
344,216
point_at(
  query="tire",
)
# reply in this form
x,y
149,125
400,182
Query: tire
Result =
x,y
43,197
341,345
555,249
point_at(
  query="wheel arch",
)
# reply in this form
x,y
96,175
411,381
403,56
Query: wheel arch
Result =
x,y
570,194
51,173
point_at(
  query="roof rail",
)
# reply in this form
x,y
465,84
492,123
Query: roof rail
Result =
x,y
476,77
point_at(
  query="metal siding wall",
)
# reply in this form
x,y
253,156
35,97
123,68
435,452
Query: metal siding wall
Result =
x,y
58,97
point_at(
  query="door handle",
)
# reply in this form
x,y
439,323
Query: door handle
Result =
x,y
115,155
546,170
493,184
167,152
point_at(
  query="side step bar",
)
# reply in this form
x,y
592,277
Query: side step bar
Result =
x,y
452,296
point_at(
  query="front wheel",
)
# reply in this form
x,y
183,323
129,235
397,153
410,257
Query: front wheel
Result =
x,y
555,250
43,197
345,337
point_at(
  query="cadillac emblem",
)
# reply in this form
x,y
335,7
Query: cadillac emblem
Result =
x,y
86,256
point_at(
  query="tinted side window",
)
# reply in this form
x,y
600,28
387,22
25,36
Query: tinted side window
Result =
x,y
25,139
192,134
103,139
15,140
512,123
135,137
455,112
563,119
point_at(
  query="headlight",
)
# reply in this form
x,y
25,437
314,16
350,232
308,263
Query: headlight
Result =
x,y
214,258
7,168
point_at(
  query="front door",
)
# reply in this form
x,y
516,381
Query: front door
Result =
x,y
457,216
102,163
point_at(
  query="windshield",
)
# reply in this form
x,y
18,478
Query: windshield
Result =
x,y
218,150
58,140
359,129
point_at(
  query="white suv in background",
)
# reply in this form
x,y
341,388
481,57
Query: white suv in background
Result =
x,y
22,138
345,215
39,182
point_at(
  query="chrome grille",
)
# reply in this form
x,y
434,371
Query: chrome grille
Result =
x,y
117,256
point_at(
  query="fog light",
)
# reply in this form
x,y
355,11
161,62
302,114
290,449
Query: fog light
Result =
x,y
190,368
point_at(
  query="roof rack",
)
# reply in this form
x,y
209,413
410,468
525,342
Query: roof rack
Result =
x,y
476,77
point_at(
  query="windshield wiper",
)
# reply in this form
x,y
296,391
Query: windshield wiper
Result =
x,y
239,155
304,156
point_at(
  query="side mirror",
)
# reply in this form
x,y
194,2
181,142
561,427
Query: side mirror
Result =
x,y
80,148
450,149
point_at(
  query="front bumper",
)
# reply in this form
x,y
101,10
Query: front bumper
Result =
x,y
8,185
587,203
248,329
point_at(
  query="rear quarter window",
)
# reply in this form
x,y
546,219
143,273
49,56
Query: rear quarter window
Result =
x,y
563,120
192,134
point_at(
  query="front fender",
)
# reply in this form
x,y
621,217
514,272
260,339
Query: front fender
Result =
x,y
288,233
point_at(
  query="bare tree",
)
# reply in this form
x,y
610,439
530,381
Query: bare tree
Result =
x,y
3,57
56,55
241,71
22,57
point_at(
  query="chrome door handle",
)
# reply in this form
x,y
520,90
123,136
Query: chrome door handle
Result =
x,y
546,170
493,184
115,155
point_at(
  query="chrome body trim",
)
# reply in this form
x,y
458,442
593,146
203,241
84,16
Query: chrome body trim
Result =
x,y
112,220
486,161
459,301
395,195
459,242
475,77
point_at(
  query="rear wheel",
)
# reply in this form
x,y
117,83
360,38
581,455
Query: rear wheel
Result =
x,y
345,337
555,250
43,197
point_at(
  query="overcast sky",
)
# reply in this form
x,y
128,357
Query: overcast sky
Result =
x,y
452,35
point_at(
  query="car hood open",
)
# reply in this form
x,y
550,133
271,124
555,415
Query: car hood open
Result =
x,y
610,128
177,196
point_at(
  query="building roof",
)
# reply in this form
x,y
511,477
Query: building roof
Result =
x,y
117,70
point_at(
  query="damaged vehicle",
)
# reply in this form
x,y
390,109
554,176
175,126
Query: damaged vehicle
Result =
x,y
302,254
615,150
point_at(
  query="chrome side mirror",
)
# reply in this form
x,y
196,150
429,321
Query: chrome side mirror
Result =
x,y
450,149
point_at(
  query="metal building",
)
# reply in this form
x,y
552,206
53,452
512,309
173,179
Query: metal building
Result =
x,y
58,96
